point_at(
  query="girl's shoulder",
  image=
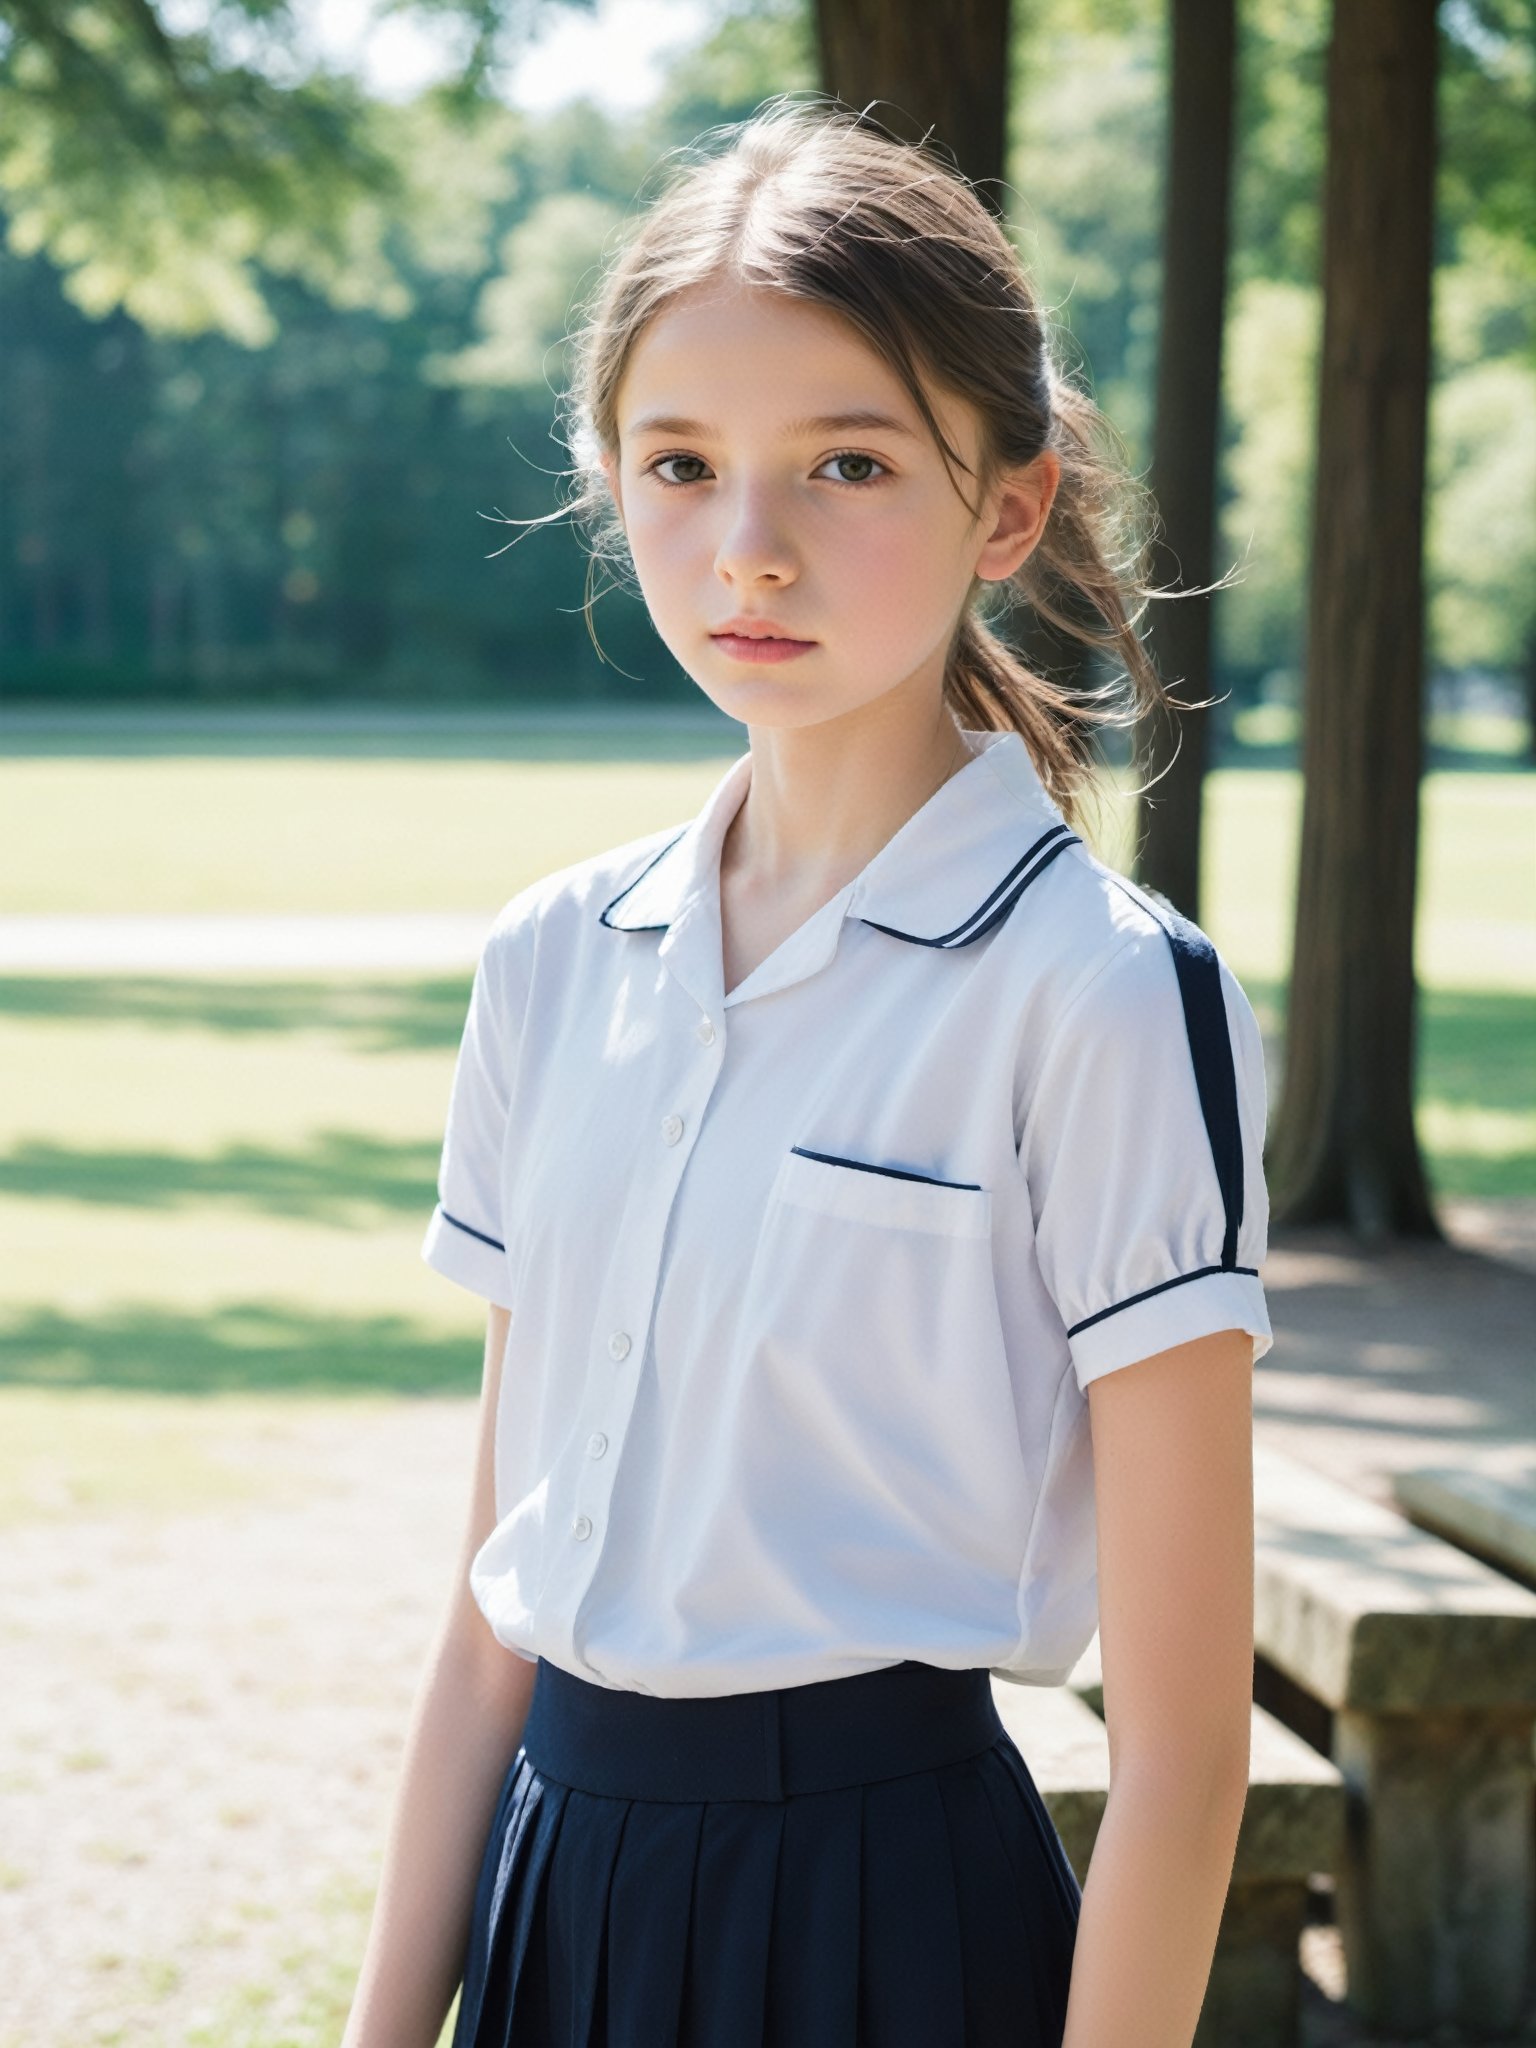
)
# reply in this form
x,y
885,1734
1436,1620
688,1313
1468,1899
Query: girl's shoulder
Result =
x,y
1097,926
567,896
1114,974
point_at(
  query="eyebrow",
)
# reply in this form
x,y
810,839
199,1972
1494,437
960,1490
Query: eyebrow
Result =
x,y
861,420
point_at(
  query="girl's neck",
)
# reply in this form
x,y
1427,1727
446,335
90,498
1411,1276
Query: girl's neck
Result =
x,y
816,813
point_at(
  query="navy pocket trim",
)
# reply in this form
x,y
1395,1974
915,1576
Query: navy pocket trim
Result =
x,y
895,1172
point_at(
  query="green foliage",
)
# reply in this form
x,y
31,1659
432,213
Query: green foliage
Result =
x,y
1273,328
1087,123
1487,115
154,174
547,261
1482,531
164,174
754,52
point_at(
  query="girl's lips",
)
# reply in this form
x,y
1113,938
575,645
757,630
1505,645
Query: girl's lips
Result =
x,y
740,648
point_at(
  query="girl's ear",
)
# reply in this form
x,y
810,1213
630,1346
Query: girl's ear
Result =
x,y
1024,507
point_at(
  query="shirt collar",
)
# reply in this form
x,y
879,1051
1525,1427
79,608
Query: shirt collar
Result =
x,y
946,877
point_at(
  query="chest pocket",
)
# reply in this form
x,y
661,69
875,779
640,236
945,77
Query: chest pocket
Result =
x,y
866,1192
871,1306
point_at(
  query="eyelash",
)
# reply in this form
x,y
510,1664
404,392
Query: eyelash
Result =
x,y
672,483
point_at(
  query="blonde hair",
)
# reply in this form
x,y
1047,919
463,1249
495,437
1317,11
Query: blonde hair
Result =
x,y
819,202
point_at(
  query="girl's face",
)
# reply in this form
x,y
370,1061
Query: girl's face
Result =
x,y
772,468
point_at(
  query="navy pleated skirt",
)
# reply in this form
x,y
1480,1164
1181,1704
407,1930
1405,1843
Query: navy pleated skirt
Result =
x,y
860,1863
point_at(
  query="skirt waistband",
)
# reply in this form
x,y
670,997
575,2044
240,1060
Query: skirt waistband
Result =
x,y
770,1744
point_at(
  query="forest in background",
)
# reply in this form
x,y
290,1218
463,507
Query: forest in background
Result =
x,y
244,481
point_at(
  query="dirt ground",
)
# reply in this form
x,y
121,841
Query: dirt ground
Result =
x,y
200,1731
201,1718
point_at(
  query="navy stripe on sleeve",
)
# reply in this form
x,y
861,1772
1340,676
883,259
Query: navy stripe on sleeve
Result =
x,y
1161,1288
1210,1046
469,1231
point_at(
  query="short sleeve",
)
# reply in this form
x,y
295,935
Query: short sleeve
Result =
x,y
1143,1153
466,1237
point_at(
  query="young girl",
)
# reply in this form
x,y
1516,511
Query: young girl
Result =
x,y
825,1159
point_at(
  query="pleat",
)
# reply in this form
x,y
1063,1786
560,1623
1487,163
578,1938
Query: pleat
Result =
x,y
933,1910
911,1965
517,1852
519,1988
813,1961
732,1924
649,1902
1041,1875
490,1895
1067,1890
1002,1971
580,1874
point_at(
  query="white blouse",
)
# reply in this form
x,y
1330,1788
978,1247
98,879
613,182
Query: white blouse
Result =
x,y
807,1279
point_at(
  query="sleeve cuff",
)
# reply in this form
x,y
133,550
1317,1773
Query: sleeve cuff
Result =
x,y
463,1254
1196,1307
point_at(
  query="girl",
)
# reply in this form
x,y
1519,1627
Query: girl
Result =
x,y
824,1160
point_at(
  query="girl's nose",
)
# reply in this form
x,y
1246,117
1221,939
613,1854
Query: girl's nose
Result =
x,y
754,543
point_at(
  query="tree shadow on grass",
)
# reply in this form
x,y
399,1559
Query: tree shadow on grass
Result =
x,y
236,1347
1478,1048
369,1014
344,1179
1476,1051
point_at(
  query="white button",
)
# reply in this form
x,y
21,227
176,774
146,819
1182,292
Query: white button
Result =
x,y
597,1443
618,1344
706,1030
581,1528
671,1128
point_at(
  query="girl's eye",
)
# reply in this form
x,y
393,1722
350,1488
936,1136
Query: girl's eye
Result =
x,y
851,456
848,456
656,467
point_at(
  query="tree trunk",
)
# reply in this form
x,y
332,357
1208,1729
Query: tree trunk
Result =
x,y
1173,747
1344,1148
928,67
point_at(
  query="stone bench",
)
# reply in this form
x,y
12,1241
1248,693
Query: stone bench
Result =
x,y
1493,1517
1292,1826
1425,1659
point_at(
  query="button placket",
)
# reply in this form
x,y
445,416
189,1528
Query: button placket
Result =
x,y
604,1445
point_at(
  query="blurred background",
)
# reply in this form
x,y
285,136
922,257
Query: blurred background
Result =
x,y
287,711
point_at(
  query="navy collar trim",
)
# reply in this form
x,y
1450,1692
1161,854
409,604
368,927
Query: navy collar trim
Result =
x,y
1002,899
613,924
989,913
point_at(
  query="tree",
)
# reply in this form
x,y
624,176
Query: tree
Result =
x,y
1344,1147
163,171
944,68
1172,749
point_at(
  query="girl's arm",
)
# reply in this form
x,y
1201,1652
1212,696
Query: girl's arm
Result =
x,y
465,1728
1173,1481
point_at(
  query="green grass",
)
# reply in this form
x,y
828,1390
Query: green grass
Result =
x,y
406,829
